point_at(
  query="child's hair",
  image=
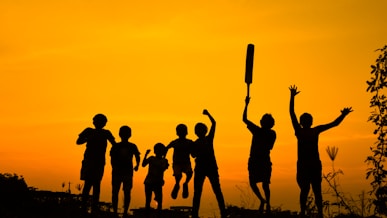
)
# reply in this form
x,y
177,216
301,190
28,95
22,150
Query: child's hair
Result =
x,y
306,120
160,149
181,130
99,120
200,129
125,132
267,121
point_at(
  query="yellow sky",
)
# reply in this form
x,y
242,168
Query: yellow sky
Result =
x,y
154,64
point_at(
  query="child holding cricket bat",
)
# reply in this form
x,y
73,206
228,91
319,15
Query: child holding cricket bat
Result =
x,y
206,166
259,164
93,162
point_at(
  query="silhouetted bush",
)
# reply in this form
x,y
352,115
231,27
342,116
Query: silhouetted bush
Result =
x,y
14,194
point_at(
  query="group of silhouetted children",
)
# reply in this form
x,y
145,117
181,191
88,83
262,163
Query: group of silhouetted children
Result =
x,y
309,168
123,152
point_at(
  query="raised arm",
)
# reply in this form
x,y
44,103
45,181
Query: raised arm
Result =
x,y
213,122
145,160
244,118
344,112
293,117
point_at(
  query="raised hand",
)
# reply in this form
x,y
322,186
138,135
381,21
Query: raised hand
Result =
x,y
346,110
135,168
293,90
205,112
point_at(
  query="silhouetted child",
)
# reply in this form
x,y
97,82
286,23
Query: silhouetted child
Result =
x,y
93,162
154,180
309,168
181,160
206,166
259,164
122,168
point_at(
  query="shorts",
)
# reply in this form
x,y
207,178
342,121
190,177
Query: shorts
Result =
x,y
309,172
156,189
125,179
91,171
179,169
259,171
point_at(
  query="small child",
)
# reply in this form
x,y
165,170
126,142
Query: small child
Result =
x,y
154,180
122,168
93,162
181,160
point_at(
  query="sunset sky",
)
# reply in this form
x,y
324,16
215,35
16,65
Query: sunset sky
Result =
x,y
154,64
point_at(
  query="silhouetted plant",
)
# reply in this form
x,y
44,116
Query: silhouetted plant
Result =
x,y
14,193
332,179
69,188
378,116
248,199
332,153
79,187
311,207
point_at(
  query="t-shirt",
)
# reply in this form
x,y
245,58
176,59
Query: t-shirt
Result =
x,y
262,142
156,169
182,149
308,144
122,157
203,150
96,144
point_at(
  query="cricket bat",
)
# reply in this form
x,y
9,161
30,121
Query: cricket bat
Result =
x,y
249,67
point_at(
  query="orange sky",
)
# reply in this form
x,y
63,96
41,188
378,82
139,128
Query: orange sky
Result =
x,y
152,65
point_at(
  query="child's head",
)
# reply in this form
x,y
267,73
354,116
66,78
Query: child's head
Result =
x,y
267,121
159,149
99,121
125,132
306,120
200,130
181,130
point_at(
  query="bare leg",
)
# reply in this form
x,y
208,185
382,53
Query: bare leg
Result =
x,y
148,196
85,194
303,198
127,199
176,188
266,189
316,186
115,190
96,192
256,191
214,180
185,185
159,197
198,188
